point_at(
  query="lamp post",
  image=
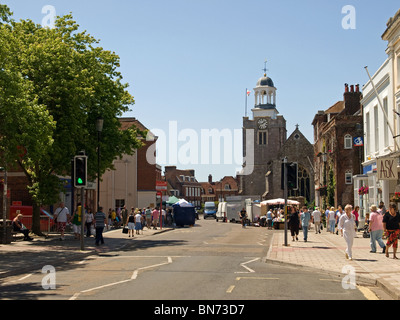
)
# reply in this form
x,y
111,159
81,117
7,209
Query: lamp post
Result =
x,y
99,128
4,204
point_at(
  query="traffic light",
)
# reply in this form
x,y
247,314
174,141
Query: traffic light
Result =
x,y
292,176
80,171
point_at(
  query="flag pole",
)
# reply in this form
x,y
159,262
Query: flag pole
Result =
x,y
245,111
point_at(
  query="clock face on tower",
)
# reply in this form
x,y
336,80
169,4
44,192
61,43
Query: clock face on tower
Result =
x,y
262,124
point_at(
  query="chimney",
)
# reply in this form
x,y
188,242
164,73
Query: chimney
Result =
x,y
352,99
210,179
346,88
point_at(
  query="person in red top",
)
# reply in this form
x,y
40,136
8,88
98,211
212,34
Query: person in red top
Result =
x,y
376,229
356,214
155,216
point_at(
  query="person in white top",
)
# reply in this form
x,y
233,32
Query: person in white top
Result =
x,y
138,222
316,216
332,220
347,227
62,216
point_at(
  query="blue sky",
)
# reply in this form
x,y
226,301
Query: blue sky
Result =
x,y
190,61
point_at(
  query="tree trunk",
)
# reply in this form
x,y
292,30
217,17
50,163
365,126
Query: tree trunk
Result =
x,y
36,220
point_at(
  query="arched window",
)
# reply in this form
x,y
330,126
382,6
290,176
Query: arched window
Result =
x,y
348,141
304,183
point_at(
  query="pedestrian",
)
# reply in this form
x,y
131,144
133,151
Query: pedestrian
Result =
x,y
19,227
316,219
169,217
109,215
376,229
332,220
138,222
154,216
269,219
100,219
62,217
382,207
88,222
305,218
347,227
124,213
77,221
148,217
339,213
391,227
356,214
131,224
294,224
243,216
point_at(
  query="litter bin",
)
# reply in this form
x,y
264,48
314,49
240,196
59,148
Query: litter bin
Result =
x,y
8,232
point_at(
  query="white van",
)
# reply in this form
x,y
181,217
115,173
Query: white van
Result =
x,y
221,212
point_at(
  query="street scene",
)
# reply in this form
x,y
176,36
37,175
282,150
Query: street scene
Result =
x,y
199,157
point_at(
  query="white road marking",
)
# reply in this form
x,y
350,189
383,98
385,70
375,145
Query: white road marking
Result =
x,y
133,277
246,267
230,289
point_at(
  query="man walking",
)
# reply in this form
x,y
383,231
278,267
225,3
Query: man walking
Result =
x,y
305,217
62,216
316,216
100,223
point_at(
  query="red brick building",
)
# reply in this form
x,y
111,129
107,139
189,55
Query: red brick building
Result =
x,y
335,152
219,190
183,184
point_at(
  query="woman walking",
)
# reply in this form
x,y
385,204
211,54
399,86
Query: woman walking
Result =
x,y
391,227
294,224
347,227
376,229
131,224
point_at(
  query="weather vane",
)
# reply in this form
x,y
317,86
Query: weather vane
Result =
x,y
265,67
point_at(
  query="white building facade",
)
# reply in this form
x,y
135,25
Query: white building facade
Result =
x,y
381,116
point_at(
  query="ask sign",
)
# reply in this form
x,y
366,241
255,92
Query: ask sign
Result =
x,y
387,168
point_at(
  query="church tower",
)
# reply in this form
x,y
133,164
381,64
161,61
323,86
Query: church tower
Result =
x,y
263,137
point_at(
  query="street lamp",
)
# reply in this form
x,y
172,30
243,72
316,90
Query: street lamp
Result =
x,y
99,128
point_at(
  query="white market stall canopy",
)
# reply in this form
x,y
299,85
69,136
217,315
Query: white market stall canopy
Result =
x,y
280,201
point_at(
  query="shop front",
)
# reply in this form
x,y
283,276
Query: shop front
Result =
x,y
377,184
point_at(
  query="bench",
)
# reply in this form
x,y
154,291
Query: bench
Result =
x,y
16,235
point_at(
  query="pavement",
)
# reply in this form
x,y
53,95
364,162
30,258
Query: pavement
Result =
x,y
326,252
322,252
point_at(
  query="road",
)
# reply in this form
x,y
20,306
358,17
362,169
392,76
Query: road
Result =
x,y
210,261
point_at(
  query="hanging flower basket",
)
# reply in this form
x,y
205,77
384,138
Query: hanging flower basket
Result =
x,y
396,197
363,190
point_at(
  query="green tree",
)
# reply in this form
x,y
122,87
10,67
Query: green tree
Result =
x,y
331,188
71,81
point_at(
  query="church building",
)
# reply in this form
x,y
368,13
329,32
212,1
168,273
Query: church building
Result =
x,y
265,145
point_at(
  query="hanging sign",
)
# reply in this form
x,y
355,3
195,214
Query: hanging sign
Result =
x,y
358,142
387,168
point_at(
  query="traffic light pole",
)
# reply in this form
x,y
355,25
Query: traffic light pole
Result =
x,y
285,183
82,219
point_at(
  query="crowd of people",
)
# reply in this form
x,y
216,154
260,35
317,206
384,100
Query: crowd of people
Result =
x,y
133,221
380,223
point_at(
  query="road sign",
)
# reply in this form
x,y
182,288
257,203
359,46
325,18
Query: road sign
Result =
x,y
161,186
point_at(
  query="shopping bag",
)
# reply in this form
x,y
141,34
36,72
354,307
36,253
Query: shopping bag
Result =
x,y
125,230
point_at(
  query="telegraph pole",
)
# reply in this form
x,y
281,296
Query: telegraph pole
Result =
x,y
285,183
